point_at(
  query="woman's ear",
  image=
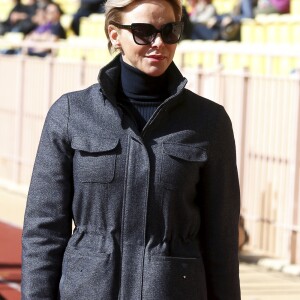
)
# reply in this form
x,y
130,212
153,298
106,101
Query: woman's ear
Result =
x,y
113,34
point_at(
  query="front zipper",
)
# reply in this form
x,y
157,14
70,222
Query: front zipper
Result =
x,y
161,108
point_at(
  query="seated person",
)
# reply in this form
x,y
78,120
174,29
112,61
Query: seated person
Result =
x,y
229,24
19,18
49,29
226,26
86,8
201,10
195,17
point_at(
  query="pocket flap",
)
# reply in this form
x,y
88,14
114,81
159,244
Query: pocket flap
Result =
x,y
94,144
186,152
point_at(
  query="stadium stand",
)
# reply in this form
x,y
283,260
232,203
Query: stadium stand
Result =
x,y
224,6
68,6
5,7
269,31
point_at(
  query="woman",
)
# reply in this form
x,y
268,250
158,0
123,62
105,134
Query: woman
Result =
x,y
147,171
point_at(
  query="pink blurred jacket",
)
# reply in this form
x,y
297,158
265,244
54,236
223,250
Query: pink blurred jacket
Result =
x,y
282,6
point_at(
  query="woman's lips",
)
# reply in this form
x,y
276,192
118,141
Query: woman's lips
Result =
x,y
156,57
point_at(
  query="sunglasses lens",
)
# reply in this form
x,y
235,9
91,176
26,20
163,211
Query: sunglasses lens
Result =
x,y
171,33
143,34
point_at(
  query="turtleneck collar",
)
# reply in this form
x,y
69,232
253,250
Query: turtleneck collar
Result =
x,y
139,86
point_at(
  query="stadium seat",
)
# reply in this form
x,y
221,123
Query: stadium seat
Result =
x,y
69,7
5,7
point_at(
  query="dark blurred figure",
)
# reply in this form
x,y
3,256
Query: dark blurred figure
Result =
x,y
22,17
86,8
19,18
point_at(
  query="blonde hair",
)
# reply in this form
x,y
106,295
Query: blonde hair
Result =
x,y
114,9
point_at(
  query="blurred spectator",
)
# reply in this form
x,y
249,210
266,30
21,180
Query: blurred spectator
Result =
x,y
199,13
43,3
225,26
86,8
40,4
48,30
230,24
20,18
273,7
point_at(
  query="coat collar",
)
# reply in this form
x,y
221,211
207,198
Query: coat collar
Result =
x,y
109,80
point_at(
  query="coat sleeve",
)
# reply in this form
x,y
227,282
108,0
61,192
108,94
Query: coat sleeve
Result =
x,y
48,217
219,199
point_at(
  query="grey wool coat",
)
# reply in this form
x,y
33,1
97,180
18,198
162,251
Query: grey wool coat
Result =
x,y
155,212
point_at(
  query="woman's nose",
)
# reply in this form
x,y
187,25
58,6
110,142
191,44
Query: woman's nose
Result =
x,y
157,42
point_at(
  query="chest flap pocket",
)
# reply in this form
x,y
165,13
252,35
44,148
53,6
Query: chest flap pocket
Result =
x,y
181,162
94,159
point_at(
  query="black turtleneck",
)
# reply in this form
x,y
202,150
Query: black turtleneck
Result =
x,y
141,93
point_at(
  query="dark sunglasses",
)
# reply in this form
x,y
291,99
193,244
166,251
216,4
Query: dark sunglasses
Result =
x,y
145,34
